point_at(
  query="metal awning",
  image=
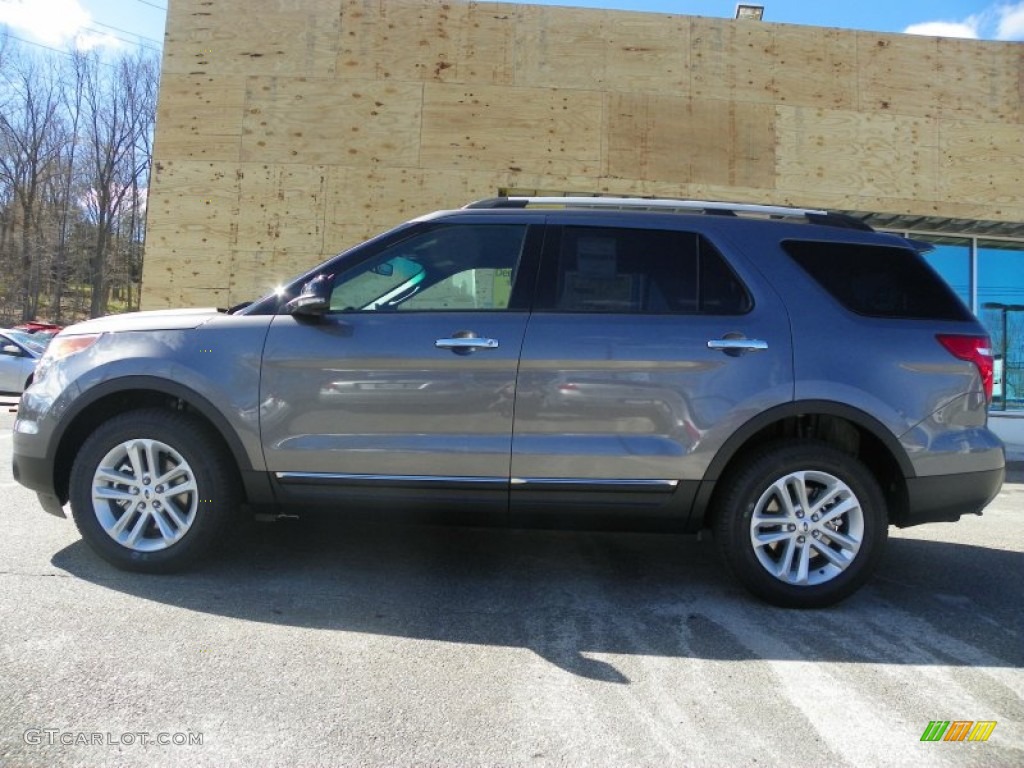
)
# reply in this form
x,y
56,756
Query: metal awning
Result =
x,y
941,224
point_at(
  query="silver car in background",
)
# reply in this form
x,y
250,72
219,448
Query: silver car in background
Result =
x,y
19,353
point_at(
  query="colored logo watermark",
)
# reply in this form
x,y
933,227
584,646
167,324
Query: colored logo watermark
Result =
x,y
958,730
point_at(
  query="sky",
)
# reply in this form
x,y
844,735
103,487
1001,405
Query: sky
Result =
x,y
123,24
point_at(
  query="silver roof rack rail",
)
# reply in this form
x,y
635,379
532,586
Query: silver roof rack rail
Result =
x,y
683,206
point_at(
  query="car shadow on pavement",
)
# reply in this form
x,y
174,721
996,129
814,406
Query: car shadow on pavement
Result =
x,y
571,596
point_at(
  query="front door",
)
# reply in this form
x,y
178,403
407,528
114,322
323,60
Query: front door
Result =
x,y
407,385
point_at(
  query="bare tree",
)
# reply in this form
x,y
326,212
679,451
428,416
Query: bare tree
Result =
x,y
31,140
119,110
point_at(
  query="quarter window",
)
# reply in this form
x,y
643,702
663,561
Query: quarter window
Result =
x,y
878,281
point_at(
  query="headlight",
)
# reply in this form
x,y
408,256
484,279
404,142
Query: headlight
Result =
x,y
61,347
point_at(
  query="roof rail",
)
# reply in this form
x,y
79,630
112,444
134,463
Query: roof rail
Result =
x,y
811,215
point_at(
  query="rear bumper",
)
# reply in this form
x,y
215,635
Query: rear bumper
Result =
x,y
945,498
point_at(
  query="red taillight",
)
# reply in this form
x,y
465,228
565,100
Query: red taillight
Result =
x,y
973,349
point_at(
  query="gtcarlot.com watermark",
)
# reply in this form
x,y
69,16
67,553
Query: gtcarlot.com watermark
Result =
x,y
50,737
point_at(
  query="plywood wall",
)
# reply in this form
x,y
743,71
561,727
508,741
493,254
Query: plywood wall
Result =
x,y
291,129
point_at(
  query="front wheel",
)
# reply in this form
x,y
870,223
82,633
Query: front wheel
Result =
x,y
151,490
801,524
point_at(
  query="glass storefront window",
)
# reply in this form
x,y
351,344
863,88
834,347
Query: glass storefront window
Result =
x,y
1001,309
951,259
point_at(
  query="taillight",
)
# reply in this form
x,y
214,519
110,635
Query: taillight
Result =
x,y
973,349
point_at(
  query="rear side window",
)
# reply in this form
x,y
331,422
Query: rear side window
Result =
x,y
878,281
642,271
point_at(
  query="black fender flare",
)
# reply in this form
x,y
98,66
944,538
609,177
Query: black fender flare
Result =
x,y
739,439
256,482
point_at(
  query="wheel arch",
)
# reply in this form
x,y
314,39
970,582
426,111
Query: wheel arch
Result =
x,y
133,392
850,429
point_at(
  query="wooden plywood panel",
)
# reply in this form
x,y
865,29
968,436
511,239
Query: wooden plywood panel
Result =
x,y
813,67
563,47
331,121
185,269
773,63
982,162
362,202
200,116
732,61
281,207
870,156
977,80
487,54
932,76
410,40
647,52
238,37
156,295
193,205
256,273
495,128
691,140
586,49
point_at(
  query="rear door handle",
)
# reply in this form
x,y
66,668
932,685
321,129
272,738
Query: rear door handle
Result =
x,y
738,345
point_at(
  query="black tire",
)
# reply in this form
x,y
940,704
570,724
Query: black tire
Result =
x,y
859,529
171,529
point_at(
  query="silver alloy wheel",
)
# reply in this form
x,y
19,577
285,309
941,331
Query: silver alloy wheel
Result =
x,y
807,527
144,495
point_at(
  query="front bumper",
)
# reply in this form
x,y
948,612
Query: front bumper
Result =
x,y
37,475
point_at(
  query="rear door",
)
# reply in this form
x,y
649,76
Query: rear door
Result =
x,y
646,350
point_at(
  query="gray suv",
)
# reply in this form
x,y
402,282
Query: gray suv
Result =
x,y
790,379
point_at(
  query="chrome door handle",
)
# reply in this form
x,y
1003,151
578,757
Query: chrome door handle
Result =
x,y
738,345
468,344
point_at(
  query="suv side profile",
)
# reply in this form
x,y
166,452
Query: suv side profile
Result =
x,y
788,378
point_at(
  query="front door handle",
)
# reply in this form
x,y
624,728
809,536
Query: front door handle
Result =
x,y
466,344
736,346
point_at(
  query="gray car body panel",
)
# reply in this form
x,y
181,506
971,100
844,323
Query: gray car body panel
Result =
x,y
932,402
369,393
641,396
213,359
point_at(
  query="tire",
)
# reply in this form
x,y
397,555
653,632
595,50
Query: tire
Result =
x,y
801,524
141,520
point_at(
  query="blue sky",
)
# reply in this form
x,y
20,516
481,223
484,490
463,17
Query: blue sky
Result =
x,y
126,23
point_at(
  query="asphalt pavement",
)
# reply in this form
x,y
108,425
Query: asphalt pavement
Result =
x,y
323,642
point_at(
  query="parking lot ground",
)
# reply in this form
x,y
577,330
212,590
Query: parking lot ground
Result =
x,y
322,642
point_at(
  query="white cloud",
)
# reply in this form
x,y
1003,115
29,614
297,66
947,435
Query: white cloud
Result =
x,y
967,28
1011,22
53,22
998,21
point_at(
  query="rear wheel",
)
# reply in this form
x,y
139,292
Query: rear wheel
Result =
x,y
801,524
151,490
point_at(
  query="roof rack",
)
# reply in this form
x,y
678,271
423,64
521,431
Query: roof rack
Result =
x,y
811,215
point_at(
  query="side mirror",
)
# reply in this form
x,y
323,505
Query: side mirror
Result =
x,y
11,349
315,298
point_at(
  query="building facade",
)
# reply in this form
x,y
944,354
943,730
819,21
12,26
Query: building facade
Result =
x,y
289,132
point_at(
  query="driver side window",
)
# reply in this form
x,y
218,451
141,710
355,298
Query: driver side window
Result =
x,y
448,268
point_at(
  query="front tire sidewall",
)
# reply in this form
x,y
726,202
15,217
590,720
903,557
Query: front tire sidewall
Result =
x,y
745,487
190,438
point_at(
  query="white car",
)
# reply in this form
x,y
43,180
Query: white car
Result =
x,y
19,353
